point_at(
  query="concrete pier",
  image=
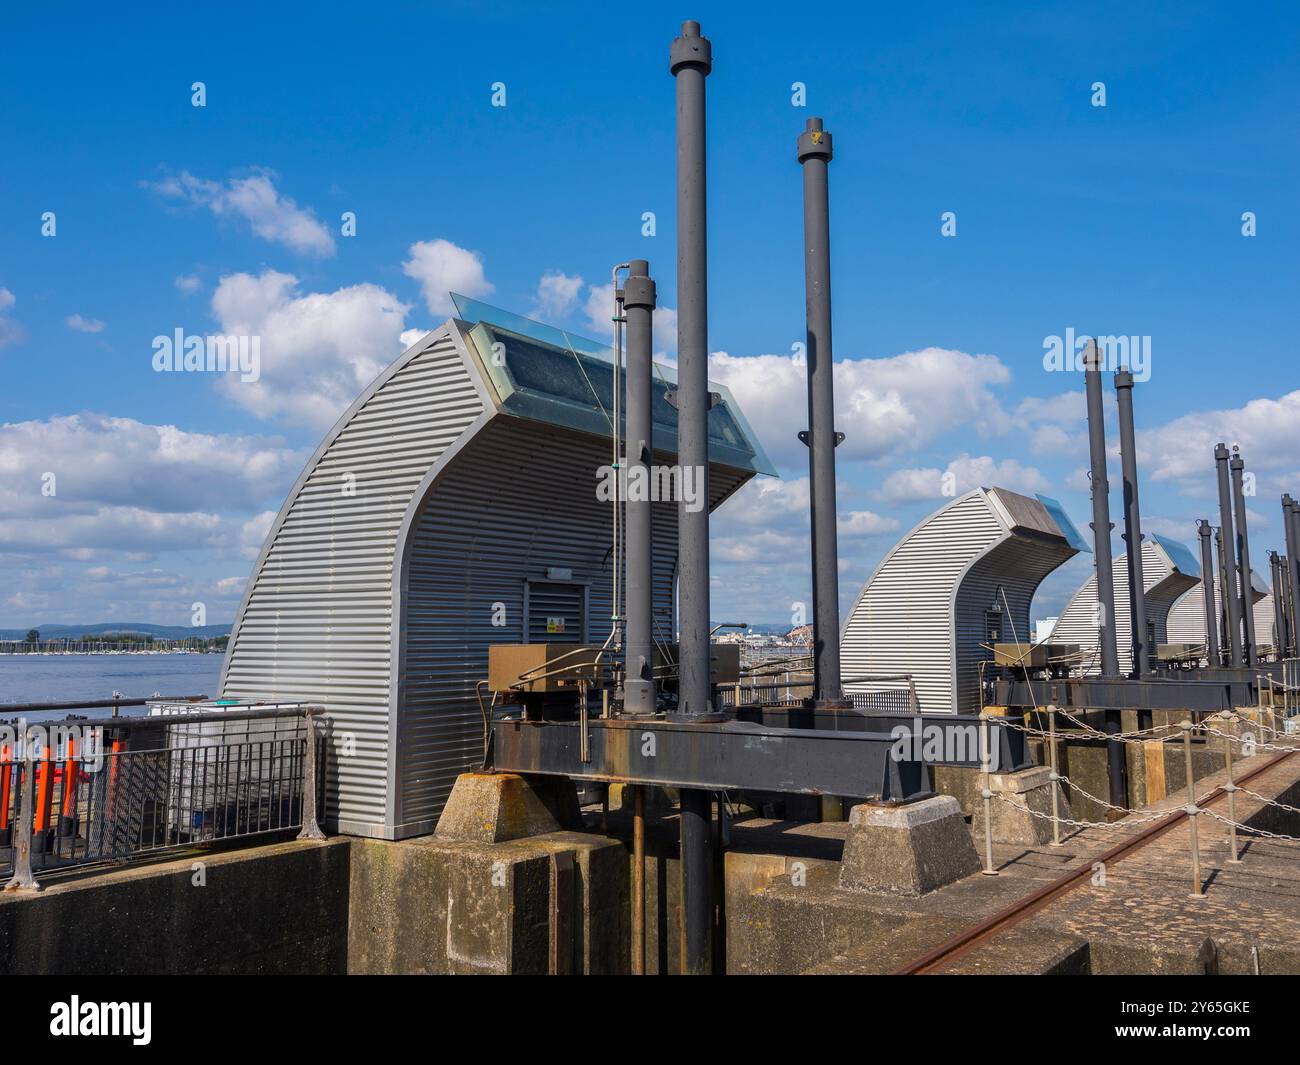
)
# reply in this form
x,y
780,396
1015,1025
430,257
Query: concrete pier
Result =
x,y
868,895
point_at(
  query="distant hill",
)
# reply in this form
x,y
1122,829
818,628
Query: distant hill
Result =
x,y
169,632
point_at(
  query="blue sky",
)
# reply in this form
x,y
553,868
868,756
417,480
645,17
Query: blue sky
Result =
x,y
1123,219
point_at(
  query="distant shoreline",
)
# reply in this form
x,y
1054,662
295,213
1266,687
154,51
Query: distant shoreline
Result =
x,y
98,654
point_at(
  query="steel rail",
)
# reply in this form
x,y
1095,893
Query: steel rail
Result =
x,y
951,949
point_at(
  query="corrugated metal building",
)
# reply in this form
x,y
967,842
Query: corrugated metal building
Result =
x,y
1168,570
1187,618
454,505
964,577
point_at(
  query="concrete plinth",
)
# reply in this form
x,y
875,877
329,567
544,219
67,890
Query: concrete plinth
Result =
x,y
497,807
1026,792
907,850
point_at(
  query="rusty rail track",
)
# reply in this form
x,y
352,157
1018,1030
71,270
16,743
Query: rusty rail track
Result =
x,y
935,960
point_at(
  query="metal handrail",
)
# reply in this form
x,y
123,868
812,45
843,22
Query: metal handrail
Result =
x,y
159,783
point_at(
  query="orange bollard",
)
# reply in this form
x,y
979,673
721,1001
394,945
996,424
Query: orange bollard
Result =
x,y
6,793
68,811
44,787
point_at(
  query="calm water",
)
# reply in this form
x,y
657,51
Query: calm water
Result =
x,y
65,678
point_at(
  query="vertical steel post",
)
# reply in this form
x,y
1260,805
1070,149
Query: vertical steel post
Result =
x,y
1249,654
697,883
1276,578
638,880
690,60
1231,789
638,306
1105,569
987,794
1137,600
1056,776
23,878
1203,533
1223,602
1292,541
1192,810
310,776
1101,526
814,154
1229,589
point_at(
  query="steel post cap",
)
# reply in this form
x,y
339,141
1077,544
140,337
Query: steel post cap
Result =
x,y
814,142
690,50
639,292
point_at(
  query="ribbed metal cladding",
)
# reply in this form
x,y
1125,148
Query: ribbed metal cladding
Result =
x,y
1008,575
1165,585
316,623
1187,616
517,500
923,611
457,505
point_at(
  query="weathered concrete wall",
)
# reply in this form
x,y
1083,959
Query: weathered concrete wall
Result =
x,y
281,908
556,902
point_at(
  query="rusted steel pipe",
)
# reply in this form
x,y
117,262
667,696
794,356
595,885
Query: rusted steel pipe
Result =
x,y
638,880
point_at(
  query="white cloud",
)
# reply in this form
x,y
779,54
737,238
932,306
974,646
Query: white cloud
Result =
x,y
884,407
63,591
962,474
253,533
188,283
1182,451
10,331
1066,409
409,337
557,294
860,523
108,528
84,325
273,216
442,267
318,349
120,463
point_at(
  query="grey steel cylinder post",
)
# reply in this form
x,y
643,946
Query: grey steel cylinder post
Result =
x,y
1249,653
638,306
1204,532
1223,583
814,154
1137,600
690,62
1105,572
1101,512
1279,604
1228,589
1292,540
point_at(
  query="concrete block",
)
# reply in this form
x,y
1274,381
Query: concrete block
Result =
x,y
907,850
1028,792
497,807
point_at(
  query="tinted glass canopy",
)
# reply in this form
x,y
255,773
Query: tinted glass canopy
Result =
x,y
1179,555
552,375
